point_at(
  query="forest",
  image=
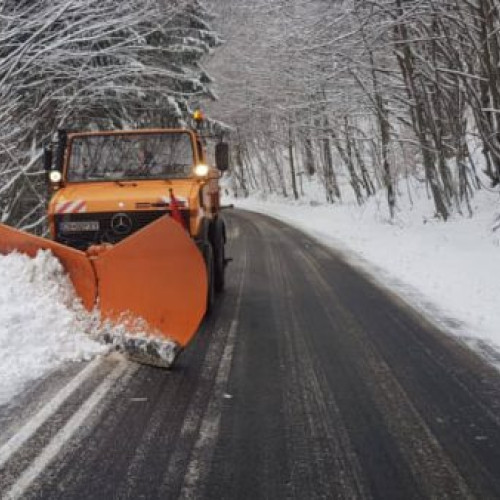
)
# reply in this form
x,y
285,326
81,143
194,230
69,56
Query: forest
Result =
x,y
363,94
359,94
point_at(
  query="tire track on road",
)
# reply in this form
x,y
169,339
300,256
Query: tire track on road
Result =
x,y
324,463
63,436
29,428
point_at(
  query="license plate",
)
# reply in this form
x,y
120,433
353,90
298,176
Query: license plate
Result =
x,y
79,226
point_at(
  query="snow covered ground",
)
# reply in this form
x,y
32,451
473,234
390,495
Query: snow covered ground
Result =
x,y
41,323
448,270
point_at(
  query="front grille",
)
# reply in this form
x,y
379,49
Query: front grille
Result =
x,y
82,240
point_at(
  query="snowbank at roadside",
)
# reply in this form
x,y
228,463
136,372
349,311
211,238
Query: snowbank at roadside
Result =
x,y
41,322
447,270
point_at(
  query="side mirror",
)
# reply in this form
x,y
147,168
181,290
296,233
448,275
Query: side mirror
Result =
x,y
47,158
62,141
222,156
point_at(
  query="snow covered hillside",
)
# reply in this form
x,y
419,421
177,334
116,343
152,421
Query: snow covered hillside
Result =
x,y
447,270
41,323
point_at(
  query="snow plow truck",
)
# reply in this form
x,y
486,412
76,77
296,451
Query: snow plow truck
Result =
x,y
135,221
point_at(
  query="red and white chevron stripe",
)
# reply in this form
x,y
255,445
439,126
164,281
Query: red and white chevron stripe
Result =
x,y
71,207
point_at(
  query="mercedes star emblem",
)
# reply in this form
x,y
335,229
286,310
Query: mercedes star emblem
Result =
x,y
121,224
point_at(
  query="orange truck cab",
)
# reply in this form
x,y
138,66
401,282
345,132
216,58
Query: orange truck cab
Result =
x,y
110,184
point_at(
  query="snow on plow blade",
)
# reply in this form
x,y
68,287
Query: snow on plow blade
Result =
x,y
154,283
75,263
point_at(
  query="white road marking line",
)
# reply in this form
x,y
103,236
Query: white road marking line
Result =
x,y
209,428
30,427
50,452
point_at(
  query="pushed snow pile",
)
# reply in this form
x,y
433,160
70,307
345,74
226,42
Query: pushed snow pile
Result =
x,y
42,324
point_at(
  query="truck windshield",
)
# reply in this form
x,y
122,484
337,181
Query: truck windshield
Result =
x,y
130,157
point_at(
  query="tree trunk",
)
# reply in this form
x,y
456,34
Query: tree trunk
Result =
x,y
291,161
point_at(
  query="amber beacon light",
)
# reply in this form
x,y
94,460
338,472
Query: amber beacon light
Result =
x,y
198,116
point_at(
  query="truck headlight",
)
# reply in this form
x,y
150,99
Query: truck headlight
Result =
x,y
201,170
55,176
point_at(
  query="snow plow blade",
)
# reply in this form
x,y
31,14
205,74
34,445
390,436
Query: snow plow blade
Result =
x,y
151,287
158,275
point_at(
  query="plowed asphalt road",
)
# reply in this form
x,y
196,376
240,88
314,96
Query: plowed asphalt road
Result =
x,y
306,382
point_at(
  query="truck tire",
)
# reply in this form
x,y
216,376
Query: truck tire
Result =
x,y
218,242
208,256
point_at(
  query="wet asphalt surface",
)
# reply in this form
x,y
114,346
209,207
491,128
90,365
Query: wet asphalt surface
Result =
x,y
307,381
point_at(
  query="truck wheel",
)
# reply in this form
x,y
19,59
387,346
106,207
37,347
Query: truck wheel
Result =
x,y
208,255
219,256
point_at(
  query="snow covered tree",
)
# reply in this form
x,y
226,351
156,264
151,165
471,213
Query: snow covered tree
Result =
x,y
90,64
362,92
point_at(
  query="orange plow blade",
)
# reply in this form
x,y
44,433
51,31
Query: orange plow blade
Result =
x,y
157,274
74,262
154,283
